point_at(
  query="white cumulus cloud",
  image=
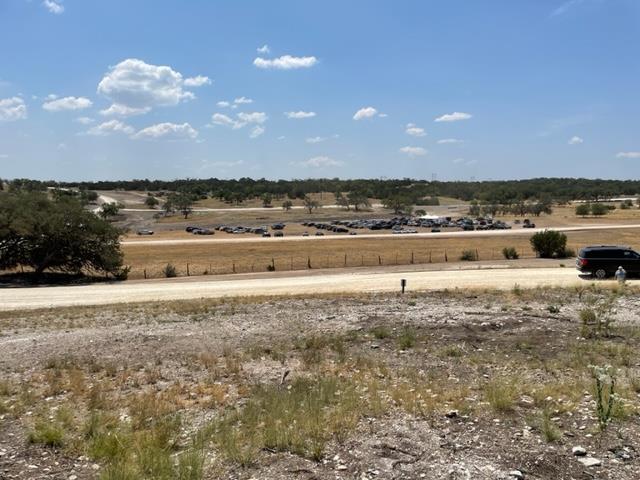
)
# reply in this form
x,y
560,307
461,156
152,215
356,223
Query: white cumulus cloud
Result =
x,y
445,141
321,162
414,130
53,6
454,117
171,131
263,49
222,119
315,140
414,151
117,110
257,119
300,114
223,104
253,117
197,81
134,87
628,155
366,112
67,103
12,109
242,101
575,140
285,62
256,131
84,120
112,126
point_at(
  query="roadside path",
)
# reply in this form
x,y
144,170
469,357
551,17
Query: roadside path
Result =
x,y
354,281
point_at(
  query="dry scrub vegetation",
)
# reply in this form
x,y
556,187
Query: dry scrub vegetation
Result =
x,y
440,385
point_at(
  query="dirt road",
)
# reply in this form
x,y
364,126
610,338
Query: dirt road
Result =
x,y
368,280
444,234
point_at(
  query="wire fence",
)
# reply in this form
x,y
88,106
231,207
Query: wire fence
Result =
x,y
296,262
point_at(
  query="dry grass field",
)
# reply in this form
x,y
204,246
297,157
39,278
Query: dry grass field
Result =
x,y
227,257
457,385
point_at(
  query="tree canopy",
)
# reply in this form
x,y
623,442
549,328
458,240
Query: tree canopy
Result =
x,y
56,235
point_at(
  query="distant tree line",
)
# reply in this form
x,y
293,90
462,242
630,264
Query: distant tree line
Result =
x,y
498,192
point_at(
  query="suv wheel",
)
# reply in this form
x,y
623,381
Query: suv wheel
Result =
x,y
601,274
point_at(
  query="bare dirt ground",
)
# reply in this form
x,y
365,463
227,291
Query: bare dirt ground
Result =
x,y
502,275
455,385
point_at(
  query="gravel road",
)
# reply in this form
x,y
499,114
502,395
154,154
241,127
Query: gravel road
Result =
x,y
492,277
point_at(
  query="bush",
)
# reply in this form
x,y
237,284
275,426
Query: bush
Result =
x,y
549,244
122,273
599,209
510,253
583,209
469,256
407,339
169,271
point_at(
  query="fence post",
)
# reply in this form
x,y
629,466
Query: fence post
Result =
x,y
412,258
309,263
345,259
145,273
234,267
477,255
291,263
273,264
379,260
187,269
362,260
429,256
446,259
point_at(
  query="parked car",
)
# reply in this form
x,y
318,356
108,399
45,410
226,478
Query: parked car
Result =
x,y
435,230
305,234
278,234
602,261
266,234
319,234
190,228
528,225
202,231
278,226
145,231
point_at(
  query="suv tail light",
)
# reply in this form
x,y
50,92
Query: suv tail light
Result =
x,y
583,262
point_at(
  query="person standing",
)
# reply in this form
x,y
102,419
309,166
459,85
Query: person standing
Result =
x,y
621,275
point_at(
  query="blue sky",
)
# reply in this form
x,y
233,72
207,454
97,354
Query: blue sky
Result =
x,y
458,89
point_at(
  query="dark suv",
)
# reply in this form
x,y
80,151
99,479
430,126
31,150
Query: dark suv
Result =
x,y
602,261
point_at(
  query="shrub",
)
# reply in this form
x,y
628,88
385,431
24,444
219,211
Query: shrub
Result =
x,y
501,395
47,433
469,256
599,209
123,273
549,244
407,339
169,271
549,430
380,332
583,209
605,395
510,253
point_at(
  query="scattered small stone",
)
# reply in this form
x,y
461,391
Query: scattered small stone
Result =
x,y
590,461
579,451
452,414
516,474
